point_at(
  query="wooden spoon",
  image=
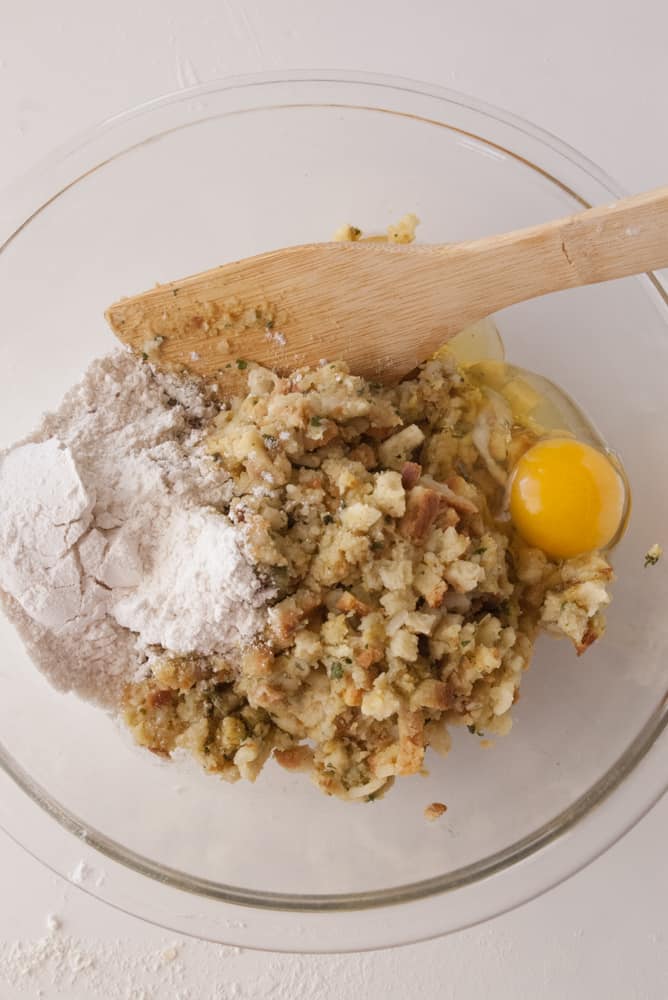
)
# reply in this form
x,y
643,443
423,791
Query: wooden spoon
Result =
x,y
381,307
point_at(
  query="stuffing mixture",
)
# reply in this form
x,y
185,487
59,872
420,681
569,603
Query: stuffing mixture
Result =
x,y
323,570
404,601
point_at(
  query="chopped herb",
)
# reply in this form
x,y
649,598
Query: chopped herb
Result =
x,y
316,421
328,519
336,671
480,552
465,642
241,364
372,797
144,356
377,546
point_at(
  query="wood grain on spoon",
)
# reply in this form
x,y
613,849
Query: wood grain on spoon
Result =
x,y
383,308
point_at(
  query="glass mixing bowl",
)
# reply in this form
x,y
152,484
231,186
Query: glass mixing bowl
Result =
x,y
227,170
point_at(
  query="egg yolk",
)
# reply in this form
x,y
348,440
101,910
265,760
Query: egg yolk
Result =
x,y
566,498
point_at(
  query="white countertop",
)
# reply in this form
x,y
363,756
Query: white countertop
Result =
x,y
595,73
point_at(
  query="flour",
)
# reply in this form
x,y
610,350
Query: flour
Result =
x,y
195,609
112,541
45,510
66,965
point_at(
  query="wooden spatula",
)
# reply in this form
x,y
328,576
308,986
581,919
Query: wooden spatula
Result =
x,y
383,308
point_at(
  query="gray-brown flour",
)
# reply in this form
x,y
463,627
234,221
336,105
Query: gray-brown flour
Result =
x,y
112,540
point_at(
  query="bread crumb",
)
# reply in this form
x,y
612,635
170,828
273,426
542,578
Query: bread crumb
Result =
x,y
404,230
434,811
347,233
653,555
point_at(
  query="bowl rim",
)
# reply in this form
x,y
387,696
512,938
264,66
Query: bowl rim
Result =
x,y
23,200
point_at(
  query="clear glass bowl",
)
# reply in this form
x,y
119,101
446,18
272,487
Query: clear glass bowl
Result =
x,y
231,169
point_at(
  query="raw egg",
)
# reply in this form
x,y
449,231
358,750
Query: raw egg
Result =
x,y
480,341
567,493
566,498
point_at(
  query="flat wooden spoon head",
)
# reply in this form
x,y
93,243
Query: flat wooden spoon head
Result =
x,y
383,308
293,307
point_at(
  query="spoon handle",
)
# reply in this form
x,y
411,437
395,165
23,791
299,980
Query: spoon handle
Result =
x,y
611,241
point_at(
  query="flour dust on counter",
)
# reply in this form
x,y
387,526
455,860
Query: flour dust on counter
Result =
x,y
59,963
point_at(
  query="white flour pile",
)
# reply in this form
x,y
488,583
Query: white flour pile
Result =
x,y
111,537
